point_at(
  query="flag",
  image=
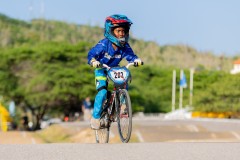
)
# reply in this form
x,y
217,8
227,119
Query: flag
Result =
x,y
183,81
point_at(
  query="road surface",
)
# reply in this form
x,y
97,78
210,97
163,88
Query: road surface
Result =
x,y
190,130
195,139
131,151
147,130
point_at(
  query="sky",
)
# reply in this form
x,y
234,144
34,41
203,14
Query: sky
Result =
x,y
206,25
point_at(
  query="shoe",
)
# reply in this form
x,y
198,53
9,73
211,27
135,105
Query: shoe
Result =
x,y
95,123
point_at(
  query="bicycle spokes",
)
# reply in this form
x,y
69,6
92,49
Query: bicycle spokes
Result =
x,y
124,116
102,135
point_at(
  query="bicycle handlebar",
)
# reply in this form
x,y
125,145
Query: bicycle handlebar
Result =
x,y
127,66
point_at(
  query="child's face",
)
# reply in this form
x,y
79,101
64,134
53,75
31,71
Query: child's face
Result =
x,y
119,32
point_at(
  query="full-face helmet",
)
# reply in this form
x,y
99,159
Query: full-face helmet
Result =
x,y
113,22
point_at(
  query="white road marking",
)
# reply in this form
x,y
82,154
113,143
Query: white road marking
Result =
x,y
139,135
193,128
236,135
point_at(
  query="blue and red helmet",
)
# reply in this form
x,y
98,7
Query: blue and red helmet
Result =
x,y
114,21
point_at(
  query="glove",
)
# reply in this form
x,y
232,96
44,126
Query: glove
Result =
x,y
95,64
138,62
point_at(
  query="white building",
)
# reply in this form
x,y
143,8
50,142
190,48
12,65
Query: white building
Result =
x,y
236,67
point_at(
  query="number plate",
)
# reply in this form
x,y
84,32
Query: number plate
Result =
x,y
119,75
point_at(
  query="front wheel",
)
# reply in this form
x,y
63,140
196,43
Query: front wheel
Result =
x,y
124,116
102,135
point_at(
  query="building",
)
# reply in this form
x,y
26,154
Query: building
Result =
x,y
236,67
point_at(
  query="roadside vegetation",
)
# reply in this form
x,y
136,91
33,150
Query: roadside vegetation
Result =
x,y
60,134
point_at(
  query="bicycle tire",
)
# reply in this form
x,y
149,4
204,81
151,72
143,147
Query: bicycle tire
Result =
x,y
124,116
102,135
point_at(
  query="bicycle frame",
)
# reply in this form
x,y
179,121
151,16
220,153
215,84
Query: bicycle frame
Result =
x,y
110,103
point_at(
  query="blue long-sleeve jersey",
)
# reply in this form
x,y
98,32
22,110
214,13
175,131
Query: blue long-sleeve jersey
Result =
x,y
105,53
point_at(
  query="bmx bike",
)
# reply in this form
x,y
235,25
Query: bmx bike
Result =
x,y
117,107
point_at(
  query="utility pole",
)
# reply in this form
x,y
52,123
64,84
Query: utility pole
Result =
x,y
173,89
191,87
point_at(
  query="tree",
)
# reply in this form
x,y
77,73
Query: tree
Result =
x,y
46,76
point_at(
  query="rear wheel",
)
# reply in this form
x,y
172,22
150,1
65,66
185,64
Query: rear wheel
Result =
x,y
124,116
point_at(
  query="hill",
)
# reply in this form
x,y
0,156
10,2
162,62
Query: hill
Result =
x,y
15,33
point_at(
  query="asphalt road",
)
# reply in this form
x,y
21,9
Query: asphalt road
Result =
x,y
190,130
195,139
131,151
150,130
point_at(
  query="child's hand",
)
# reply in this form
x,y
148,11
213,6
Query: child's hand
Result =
x,y
95,64
138,62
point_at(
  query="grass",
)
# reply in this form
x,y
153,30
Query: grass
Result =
x,y
54,134
58,134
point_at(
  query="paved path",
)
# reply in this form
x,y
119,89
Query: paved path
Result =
x,y
131,151
160,133
192,130
147,130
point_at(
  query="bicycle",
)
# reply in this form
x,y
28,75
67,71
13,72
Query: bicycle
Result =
x,y
117,106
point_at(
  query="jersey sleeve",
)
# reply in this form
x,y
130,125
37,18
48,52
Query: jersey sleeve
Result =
x,y
129,54
96,52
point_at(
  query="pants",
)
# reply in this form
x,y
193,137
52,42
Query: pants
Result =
x,y
100,80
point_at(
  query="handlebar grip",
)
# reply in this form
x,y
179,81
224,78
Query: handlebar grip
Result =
x,y
136,64
98,66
